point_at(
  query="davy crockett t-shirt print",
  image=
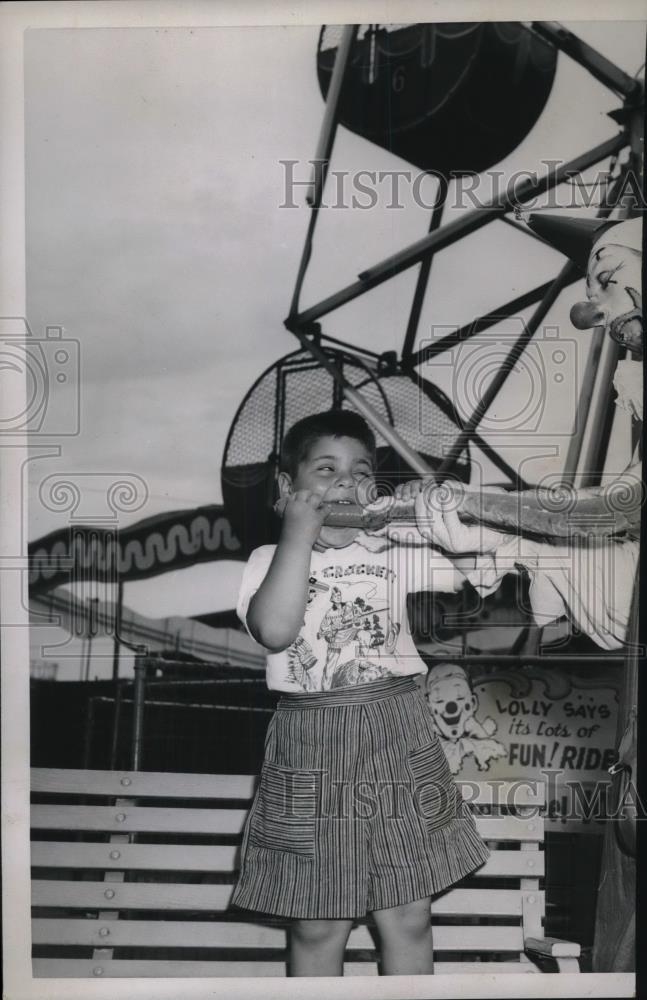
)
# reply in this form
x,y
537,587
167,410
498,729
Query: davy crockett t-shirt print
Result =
x,y
355,627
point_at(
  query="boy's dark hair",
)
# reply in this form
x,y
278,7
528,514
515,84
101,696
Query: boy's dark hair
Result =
x,y
331,423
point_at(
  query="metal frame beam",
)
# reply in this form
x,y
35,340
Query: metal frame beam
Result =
x,y
446,235
424,272
581,52
324,151
482,323
564,278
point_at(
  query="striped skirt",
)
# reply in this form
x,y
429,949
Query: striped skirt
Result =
x,y
356,809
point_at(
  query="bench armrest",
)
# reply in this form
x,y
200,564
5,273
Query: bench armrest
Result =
x,y
552,947
566,954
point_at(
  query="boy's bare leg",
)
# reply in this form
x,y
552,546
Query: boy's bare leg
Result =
x,y
317,947
405,937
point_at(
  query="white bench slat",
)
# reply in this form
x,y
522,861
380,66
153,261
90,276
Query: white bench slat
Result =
x,y
469,938
129,895
79,968
213,934
220,821
142,784
484,968
513,864
511,793
511,828
167,933
170,784
137,820
203,858
57,968
65,968
186,896
479,902
158,933
135,857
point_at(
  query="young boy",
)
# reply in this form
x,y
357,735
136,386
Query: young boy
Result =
x,y
356,810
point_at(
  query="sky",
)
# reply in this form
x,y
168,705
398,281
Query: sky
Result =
x,y
156,239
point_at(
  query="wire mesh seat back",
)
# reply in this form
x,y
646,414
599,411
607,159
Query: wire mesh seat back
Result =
x,y
296,386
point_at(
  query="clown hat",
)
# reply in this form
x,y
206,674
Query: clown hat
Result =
x,y
571,236
576,237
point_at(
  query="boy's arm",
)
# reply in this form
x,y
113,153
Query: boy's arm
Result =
x,y
276,611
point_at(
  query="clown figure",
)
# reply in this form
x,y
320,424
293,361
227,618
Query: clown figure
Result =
x,y
453,706
610,253
613,286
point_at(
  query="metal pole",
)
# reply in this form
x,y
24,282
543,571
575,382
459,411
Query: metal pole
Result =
x,y
116,719
93,614
87,739
329,123
82,658
323,153
535,660
598,65
117,625
532,659
592,364
88,651
583,405
593,460
138,711
446,235
424,272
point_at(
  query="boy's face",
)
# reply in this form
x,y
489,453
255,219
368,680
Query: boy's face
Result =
x,y
332,469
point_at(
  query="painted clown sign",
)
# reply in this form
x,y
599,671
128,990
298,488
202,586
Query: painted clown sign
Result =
x,y
531,724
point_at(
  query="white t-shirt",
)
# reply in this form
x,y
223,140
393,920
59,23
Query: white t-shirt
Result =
x,y
356,629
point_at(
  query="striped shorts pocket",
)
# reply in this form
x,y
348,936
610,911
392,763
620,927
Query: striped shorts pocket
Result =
x,y
434,793
285,812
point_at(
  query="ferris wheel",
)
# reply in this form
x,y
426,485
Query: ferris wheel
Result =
x,y
453,100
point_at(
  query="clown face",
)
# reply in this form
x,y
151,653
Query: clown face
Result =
x,y
613,289
452,704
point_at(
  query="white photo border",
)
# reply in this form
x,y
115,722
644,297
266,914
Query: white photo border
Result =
x,y
15,19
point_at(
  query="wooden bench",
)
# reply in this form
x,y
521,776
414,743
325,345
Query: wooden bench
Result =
x,y
132,873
